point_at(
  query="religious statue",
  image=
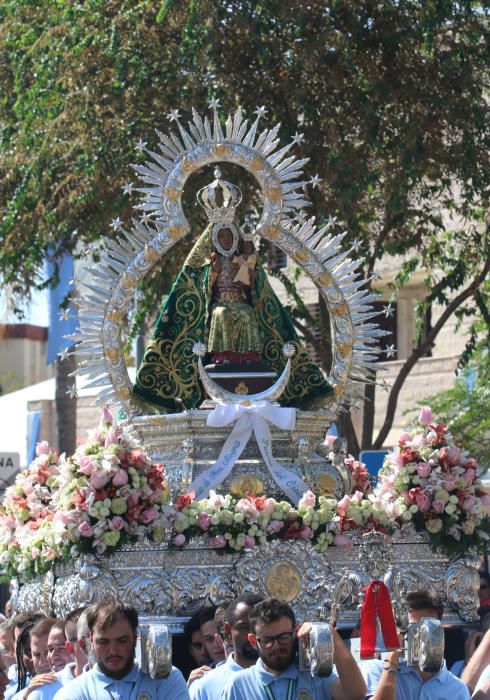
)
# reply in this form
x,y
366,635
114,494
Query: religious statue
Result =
x,y
223,299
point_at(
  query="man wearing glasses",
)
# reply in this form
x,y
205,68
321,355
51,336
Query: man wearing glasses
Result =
x,y
276,675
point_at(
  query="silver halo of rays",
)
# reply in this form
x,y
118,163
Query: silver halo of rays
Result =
x,y
107,291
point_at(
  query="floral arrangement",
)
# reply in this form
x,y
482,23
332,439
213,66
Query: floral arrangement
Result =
x,y
26,514
110,492
107,493
430,484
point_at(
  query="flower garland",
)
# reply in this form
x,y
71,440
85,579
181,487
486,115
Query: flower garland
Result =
x,y
110,492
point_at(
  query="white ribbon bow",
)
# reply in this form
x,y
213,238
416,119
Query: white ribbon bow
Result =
x,y
254,418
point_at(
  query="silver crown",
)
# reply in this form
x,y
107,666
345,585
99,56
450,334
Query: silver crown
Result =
x,y
219,200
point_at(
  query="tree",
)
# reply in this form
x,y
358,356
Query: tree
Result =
x,y
389,96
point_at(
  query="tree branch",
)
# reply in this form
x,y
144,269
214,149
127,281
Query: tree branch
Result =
x,y
421,349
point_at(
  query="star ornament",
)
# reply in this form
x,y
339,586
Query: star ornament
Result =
x,y
261,111
390,351
388,310
213,104
72,391
64,354
116,224
384,385
298,138
127,188
315,180
141,145
173,115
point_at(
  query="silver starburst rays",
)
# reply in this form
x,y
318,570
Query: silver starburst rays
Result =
x,y
110,287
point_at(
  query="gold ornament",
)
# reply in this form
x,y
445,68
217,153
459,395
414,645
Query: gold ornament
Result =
x,y
272,232
344,349
112,354
338,390
247,483
302,255
220,150
241,388
326,485
283,581
172,193
324,279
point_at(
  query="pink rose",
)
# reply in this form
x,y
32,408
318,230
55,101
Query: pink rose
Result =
x,y
357,497
449,482
418,442
116,523
269,506
146,516
404,437
134,497
65,517
249,542
218,541
42,448
342,540
344,503
204,521
106,416
306,533
469,476
425,417
110,438
307,500
85,465
85,530
453,455
274,526
330,441
423,470
469,502
396,459
98,479
438,506
120,478
179,540
423,502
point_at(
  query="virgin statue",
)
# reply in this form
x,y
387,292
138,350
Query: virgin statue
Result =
x,y
223,299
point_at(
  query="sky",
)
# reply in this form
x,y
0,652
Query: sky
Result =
x,y
36,311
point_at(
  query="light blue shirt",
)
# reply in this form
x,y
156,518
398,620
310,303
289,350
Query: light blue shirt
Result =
x,y
410,686
210,686
485,676
45,692
136,685
256,682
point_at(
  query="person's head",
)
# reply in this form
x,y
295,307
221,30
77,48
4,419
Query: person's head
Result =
x,y
225,238
8,609
19,621
208,630
423,604
72,644
113,628
273,633
58,654
39,644
195,641
237,626
22,626
484,591
7,647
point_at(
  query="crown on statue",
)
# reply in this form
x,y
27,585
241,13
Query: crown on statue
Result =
x,y
220,200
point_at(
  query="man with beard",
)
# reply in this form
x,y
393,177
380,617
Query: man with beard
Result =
x,y
233,627
113,630
276,675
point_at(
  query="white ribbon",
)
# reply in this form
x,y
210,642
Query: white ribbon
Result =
x,y
254,418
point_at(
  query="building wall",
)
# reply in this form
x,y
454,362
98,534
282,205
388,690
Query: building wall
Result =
x,y
23,356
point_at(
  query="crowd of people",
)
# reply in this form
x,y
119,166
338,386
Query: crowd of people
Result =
x,y
243,650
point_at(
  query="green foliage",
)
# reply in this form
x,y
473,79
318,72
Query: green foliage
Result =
x,y
390,97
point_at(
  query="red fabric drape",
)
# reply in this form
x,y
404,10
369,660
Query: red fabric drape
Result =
x,y
377,604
